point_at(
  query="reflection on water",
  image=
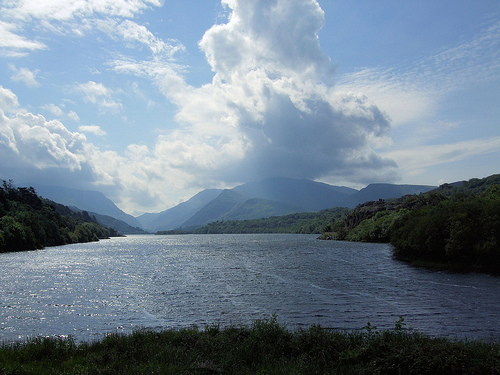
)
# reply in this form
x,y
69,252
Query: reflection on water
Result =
x,y
87,290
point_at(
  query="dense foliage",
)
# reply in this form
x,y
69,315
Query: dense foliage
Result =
x,y
463,230
303,223
372,221
28,222
456,225
264,348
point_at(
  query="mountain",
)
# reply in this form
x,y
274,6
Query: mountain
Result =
x,y
268,197
215,209
307,194
174,217
232,205
87,200
374,192
256,208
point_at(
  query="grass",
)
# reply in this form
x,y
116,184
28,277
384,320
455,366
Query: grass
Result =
x,y
266,347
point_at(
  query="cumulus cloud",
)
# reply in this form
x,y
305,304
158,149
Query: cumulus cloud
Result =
x,y
271,109
8,100
33,141
35,149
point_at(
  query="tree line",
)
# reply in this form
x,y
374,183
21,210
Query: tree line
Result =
x,y
28,222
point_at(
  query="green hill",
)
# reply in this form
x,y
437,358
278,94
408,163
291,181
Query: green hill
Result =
x,y
305,223
28,222
456,225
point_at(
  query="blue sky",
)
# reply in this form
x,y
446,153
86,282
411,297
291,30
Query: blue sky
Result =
x,y
151,101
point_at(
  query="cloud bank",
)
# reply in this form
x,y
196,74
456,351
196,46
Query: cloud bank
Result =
x,y
270,109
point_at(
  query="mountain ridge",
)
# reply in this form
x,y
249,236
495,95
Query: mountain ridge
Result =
x,y
173,217
252,200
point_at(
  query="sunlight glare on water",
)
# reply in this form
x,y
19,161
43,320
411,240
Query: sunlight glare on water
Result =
x,y
158,282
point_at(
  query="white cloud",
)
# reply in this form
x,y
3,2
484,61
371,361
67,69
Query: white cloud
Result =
x,y
8,100
34,142
132,32
100,95
418,158
59,112
58,16
37,143
63,10
93,129
270,108
413,93
54,109
13,44
73,115
35,149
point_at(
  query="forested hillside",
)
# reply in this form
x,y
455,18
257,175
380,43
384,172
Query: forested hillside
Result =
x,y
305,223
456,225
463,231
28,222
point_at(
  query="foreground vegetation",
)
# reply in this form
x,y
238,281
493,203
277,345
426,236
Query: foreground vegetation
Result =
x,y
264,348
28,222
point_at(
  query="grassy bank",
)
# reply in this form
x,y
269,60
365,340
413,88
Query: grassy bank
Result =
x,y
264,348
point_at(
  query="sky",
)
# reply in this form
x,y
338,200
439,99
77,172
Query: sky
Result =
x,y
152,101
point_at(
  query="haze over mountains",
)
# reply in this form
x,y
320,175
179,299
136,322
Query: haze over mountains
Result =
x,y
94,202
257,199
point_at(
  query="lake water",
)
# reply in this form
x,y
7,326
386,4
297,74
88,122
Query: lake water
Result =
x,y
157,282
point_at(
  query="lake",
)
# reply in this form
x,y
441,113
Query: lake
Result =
x,y
159,282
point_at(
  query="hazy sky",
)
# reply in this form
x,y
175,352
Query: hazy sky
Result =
x,y
151,101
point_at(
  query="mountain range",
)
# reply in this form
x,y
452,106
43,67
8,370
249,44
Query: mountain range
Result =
x,y
253,200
